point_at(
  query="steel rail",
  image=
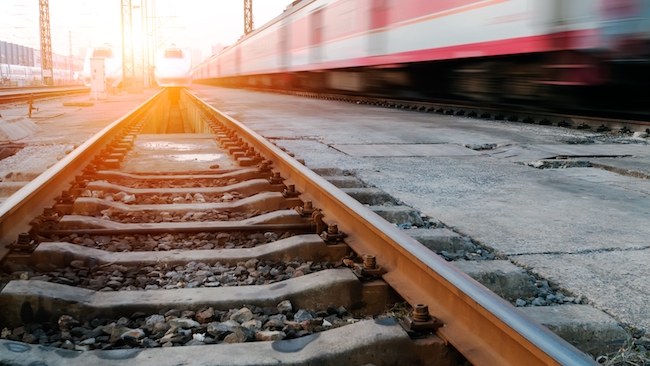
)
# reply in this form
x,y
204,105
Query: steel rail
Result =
x,y
23,95
486,329
17,211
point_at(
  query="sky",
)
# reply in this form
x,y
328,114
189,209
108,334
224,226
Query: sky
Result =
x,y
195,24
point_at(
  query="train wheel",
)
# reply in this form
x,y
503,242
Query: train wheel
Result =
x,y
480,82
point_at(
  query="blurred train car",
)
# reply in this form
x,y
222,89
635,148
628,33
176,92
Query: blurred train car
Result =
x,y
479,49
21,76
112,64
173,67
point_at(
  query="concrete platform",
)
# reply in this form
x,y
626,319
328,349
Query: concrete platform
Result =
x,y
633,167
501,277
404,150
342,181
440,239
399,215
588,329
370,196
55,130
13,129
619,276
538,152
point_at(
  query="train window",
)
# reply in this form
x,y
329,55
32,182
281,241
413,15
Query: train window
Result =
x,y
173,53
102,52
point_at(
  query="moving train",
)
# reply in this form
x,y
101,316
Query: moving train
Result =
x,y
173,67
493,50
112,64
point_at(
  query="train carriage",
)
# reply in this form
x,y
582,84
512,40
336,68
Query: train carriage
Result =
x,y
481,49
112,64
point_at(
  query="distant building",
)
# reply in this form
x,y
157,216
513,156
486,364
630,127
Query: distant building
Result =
x,y
216,48
197,57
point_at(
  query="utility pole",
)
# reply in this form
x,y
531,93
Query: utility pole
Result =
x,y
46,42
145,43
128,62
70,56
248,16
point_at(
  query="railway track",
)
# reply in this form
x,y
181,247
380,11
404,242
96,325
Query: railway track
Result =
x,y
139,241
490,111
14,95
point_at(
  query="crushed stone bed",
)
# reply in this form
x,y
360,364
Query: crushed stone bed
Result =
x,y
160,199
174,327
116,277
165,242
171,183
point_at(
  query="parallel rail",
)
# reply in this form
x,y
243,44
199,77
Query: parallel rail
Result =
x,y
511,113
21,95
484,328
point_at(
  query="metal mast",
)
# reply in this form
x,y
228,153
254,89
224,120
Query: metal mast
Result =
x,y
145,43
46,41
128,59
248,16
70,57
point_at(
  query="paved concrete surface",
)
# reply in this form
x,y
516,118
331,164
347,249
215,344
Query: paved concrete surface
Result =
x,y
588,329
501,277
585,229
54,131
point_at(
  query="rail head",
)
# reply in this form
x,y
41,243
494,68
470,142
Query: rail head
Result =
x,y
483,327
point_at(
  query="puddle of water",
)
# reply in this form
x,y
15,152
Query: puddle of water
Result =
x,y
192,157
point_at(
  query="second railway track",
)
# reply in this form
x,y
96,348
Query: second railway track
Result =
x,y
140,241
13,95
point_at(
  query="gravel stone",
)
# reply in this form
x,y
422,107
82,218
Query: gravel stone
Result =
x,y
302,315
269,335
285,306
184,323
241,316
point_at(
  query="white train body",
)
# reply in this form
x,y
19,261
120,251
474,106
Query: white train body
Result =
x,y
173,67
19,75
112,64
358,44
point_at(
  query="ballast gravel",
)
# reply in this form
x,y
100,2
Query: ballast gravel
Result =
x,y
172,183
142,217
159,199
173,327
116,277
165,242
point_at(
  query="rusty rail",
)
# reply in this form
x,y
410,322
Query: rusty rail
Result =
x,y
483,327
20,95
18,210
